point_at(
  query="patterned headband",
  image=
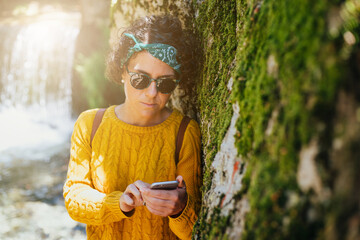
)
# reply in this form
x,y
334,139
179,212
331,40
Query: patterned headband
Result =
x,y
163,52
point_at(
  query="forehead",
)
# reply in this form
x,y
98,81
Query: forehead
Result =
x,y
145,62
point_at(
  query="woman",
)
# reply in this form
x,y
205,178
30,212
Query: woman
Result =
x,y
108,180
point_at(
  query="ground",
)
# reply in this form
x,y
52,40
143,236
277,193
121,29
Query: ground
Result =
x,y
31,202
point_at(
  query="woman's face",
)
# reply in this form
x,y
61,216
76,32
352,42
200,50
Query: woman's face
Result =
x,y
147,102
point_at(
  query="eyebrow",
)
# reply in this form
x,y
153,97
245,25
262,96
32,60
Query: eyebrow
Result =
x,y
142,71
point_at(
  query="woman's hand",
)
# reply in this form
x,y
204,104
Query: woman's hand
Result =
x,y
164,202
131,198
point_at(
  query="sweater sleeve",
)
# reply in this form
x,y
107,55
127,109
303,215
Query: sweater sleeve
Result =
x,y
83,202
189,166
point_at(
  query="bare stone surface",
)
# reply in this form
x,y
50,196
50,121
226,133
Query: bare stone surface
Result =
x,y
238,220
307,176
228,171
227,175
272,66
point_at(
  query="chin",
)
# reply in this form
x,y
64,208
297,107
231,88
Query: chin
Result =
x,y
148,113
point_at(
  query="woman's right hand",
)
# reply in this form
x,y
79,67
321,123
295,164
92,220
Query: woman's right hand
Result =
x,y
130,199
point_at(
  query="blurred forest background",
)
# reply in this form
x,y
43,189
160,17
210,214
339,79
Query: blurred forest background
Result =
x,y
52,63
277,100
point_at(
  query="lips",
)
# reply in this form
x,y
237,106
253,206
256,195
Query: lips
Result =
x,y
149,104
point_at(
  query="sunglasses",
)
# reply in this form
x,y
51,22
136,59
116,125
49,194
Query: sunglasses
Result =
x,y
163,84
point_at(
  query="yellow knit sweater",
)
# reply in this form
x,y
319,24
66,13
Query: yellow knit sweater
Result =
x,y
121,154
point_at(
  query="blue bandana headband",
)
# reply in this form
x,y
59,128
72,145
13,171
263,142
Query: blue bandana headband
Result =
x,y
163,52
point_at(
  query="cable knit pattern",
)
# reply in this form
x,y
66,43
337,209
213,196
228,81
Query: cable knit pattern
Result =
x,y
121,154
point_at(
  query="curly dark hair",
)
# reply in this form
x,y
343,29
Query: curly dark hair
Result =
x,y
164,29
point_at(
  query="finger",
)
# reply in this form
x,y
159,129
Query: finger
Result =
x,y
161,194
128,200
160,212
174,208
181,181
142,186
159,203
135,192
174,203
166,207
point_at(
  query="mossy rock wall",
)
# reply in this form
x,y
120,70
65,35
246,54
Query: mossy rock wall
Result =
x,y
290,70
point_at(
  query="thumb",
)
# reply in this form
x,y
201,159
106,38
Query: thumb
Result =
x,y
181,181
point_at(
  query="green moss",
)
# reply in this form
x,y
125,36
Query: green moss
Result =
x,y
288,72
216,27
212,228
301,87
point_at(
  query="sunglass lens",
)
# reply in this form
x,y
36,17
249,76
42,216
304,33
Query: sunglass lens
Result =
x,y
139,81
167,85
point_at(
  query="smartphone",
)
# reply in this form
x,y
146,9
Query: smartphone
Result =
x,y
168,185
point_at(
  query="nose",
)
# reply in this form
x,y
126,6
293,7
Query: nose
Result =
x,y
152,91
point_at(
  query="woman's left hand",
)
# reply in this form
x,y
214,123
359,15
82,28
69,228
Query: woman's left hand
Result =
x,y
164,202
